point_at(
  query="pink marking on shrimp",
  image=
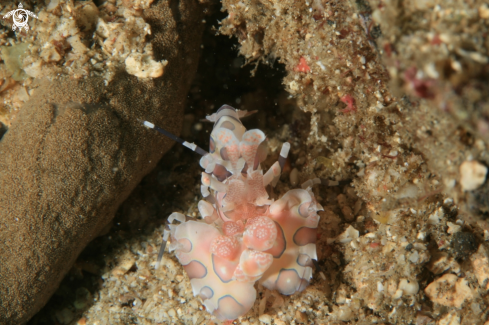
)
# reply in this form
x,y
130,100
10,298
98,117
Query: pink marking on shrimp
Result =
x,y
232,228
260,233
226,247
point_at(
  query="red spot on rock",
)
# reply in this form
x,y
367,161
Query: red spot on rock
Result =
x,y
302,66
350,103
374,245
421,87
343,34
317,17
436,40
388,49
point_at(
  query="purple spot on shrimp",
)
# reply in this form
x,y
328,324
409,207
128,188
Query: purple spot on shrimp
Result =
x,y
229,308
212,145
221,172
288,281
185,245
195,270
280,244
224,154
304,260
206,293
228,125
223,107
304,209
305,235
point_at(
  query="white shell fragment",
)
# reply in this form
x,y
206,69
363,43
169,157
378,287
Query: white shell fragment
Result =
x,y
348,235
472,175
436,217
409,287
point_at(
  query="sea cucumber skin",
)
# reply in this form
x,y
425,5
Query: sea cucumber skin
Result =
x,y
244,236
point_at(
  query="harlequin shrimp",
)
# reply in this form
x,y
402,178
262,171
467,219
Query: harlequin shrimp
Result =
x,y
244,236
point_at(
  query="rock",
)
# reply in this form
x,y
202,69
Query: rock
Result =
x,y
348,235
449,291
436,216
449,319
472,175
484,11
345,314
480,263
65,316
409,287
265,319
300,317
126,263
422,319
441,262
453,227
294,177
74,154
83,298
464,244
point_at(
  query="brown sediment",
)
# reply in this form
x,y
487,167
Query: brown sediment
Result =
x,y
75,152
438,54
398,103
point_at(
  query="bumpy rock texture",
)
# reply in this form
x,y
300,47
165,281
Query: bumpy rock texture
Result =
x,y
75,152
398,102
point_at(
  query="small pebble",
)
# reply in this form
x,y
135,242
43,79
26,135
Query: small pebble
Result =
x,y
409,287
472,175
300,317
294,177
83,298
464,244
265,319
65,316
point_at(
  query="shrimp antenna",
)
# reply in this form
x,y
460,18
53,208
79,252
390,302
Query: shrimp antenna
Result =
x,y
191,146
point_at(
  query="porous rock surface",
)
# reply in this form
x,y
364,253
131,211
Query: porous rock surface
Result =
x,y
74,154
397,101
